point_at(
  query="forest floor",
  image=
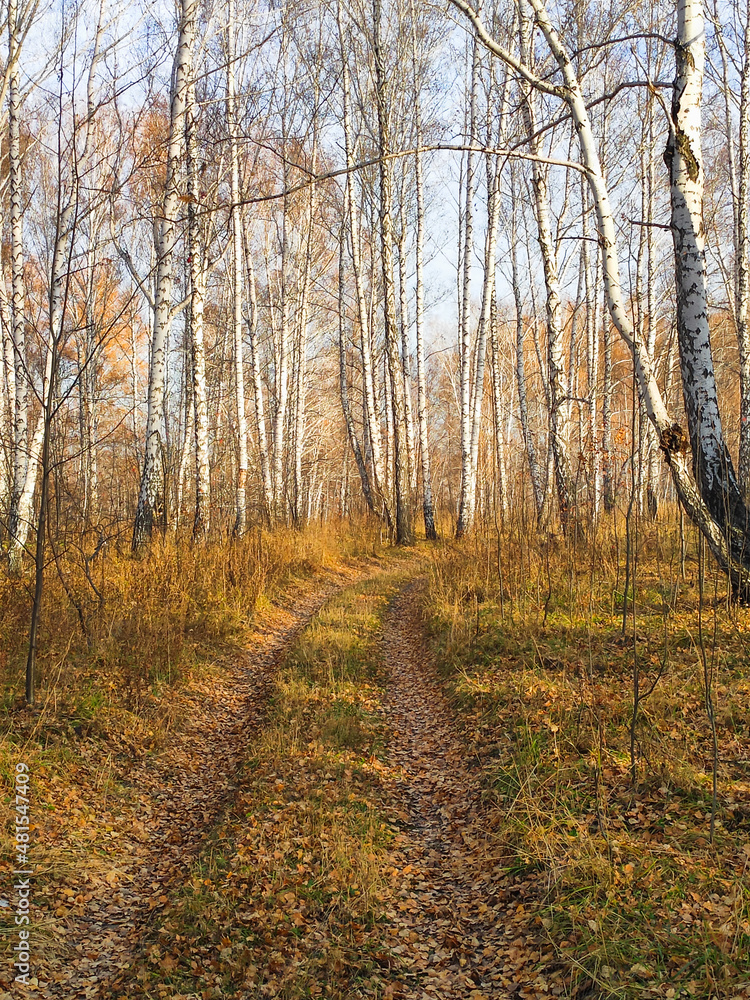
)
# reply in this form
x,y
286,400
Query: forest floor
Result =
x,y
330,815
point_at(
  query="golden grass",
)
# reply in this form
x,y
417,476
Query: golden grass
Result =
x,y
529,633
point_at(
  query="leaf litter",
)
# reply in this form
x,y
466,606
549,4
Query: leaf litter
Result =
x,y
110,851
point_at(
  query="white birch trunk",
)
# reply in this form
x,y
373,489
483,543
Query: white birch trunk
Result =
x,y
151,495
344,388
281,367
556,375
497,401
464,501
742,249
20,381
24,505
488,293
373,432
592,362
712,499
404,531
523,406
428,508
260,409
202,512
712,464
405,361
240,522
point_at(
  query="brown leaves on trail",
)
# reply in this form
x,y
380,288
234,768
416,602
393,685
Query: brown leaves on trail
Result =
x,y
460,926
285,897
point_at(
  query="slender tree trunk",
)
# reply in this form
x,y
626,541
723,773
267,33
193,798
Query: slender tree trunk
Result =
x,y
497,401
373,433
405,362
592,361
488,292
197,267
743,263
344,387
428,508
404,531
260,410
523,406
712,464
282,365
301,370
464,502
21,448
240,522
151,495
558,387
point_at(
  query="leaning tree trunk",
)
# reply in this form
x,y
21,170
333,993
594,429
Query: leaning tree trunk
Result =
x,y
711,495
712,464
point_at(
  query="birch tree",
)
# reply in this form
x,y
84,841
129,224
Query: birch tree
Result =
x,y
404,531
710,492
151,495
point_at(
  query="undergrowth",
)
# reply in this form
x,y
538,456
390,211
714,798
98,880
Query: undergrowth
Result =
x,y
538,654
117,631
120,667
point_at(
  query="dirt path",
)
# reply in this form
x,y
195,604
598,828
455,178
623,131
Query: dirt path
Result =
x,y
460,927
176,795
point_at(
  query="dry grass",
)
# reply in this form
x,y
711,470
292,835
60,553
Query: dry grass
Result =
x,y
117,631
289,891
635,895
110,686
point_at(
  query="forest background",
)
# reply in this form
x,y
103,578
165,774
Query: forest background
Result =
x,y
283,285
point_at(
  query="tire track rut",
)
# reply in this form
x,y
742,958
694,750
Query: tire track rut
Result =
x,y
460,928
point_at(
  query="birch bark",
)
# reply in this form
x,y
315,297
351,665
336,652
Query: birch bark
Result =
x,y
20,381
151,496
404,532
557,379
428,509
240,522
373,432
465,500
344,387
742,243
202,512
712,499
260,409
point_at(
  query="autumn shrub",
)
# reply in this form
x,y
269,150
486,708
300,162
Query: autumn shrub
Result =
x,y
539,640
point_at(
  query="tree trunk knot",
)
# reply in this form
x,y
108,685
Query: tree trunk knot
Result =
x,y
674,439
